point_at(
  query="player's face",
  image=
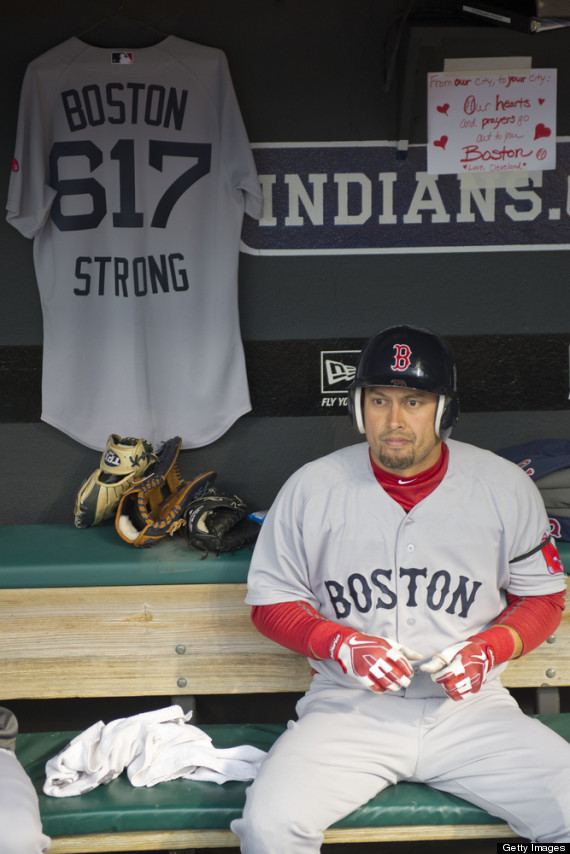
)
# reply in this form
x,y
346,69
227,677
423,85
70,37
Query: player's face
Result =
x,y
400,428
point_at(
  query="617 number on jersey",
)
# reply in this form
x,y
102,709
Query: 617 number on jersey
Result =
x,y
123,152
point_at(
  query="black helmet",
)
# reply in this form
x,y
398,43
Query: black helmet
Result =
x,y
408,357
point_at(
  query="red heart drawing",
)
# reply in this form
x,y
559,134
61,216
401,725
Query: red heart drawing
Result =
x,y
541,101
442,142
443,109
541,131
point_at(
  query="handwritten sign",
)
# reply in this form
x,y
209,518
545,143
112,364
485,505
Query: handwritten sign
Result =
x,y
488,121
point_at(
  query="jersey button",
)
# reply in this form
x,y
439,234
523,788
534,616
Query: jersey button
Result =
x,y
411,548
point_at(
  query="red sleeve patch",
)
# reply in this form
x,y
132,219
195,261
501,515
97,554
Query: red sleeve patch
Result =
x,y
552,558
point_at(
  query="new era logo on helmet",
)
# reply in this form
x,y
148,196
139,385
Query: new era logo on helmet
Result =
x,y
402,354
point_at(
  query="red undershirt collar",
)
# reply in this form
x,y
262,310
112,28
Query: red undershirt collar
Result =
x,y
409,491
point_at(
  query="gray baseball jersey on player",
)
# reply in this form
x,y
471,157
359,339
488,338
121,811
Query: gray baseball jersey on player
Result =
x,y
132,172
427,579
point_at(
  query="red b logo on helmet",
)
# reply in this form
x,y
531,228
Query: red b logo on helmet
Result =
x,y
402,355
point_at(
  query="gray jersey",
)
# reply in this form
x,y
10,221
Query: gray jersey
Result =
x,y
132,171
428,578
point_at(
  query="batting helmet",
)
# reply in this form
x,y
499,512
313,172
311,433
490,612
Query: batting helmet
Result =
x,y
408,357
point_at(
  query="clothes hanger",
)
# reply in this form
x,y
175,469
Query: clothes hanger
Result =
x,y
121,16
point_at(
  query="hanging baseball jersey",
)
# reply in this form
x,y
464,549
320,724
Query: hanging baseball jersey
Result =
x,y
132,172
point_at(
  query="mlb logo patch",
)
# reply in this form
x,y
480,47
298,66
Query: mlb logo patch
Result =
x,y
122,57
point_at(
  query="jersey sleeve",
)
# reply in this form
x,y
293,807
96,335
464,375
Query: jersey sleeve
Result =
x,y
278,570
29,194
236,149
535,568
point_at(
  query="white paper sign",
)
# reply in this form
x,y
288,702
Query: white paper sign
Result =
x,y
491,120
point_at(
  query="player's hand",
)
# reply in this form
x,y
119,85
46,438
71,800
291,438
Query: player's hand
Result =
x,y
462,668
378,664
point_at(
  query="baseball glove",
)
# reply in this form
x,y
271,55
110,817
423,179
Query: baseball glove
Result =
x,y
123,461
217,522
154,508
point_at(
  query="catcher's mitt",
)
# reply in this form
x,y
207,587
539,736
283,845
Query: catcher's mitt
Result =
x,y
152,509
216,522
122,462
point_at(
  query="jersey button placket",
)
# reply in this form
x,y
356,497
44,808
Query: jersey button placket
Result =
x,y
404,552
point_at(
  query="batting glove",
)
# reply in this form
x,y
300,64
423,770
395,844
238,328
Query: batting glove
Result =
x,y
378,664
463,667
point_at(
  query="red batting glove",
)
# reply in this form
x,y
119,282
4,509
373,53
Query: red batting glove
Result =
x,y
463,667
376,663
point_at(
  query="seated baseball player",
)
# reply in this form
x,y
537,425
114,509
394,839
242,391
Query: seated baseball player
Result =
x,y
409,569
20,823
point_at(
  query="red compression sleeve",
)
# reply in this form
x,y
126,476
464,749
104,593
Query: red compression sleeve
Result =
x,y
534,618
298,626
497,642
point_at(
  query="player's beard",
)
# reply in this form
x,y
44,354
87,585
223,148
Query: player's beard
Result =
x,y
419,452
396,462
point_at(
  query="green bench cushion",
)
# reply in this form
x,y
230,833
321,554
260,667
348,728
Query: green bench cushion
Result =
x,y
66,556
183,804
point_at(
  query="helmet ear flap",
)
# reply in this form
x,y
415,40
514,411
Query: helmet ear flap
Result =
x,y
441,404
355,407
446,416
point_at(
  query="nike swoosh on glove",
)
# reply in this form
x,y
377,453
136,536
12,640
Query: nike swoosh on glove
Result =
x,y
463,667
378,664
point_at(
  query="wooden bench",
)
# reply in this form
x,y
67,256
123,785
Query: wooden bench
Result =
x,y
83,614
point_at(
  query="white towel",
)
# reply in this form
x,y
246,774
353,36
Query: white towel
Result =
x,y
152,747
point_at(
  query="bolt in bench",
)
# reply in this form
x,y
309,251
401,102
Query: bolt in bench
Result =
x,y
82,614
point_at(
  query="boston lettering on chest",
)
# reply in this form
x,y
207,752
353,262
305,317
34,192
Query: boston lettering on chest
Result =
x,y
440,590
